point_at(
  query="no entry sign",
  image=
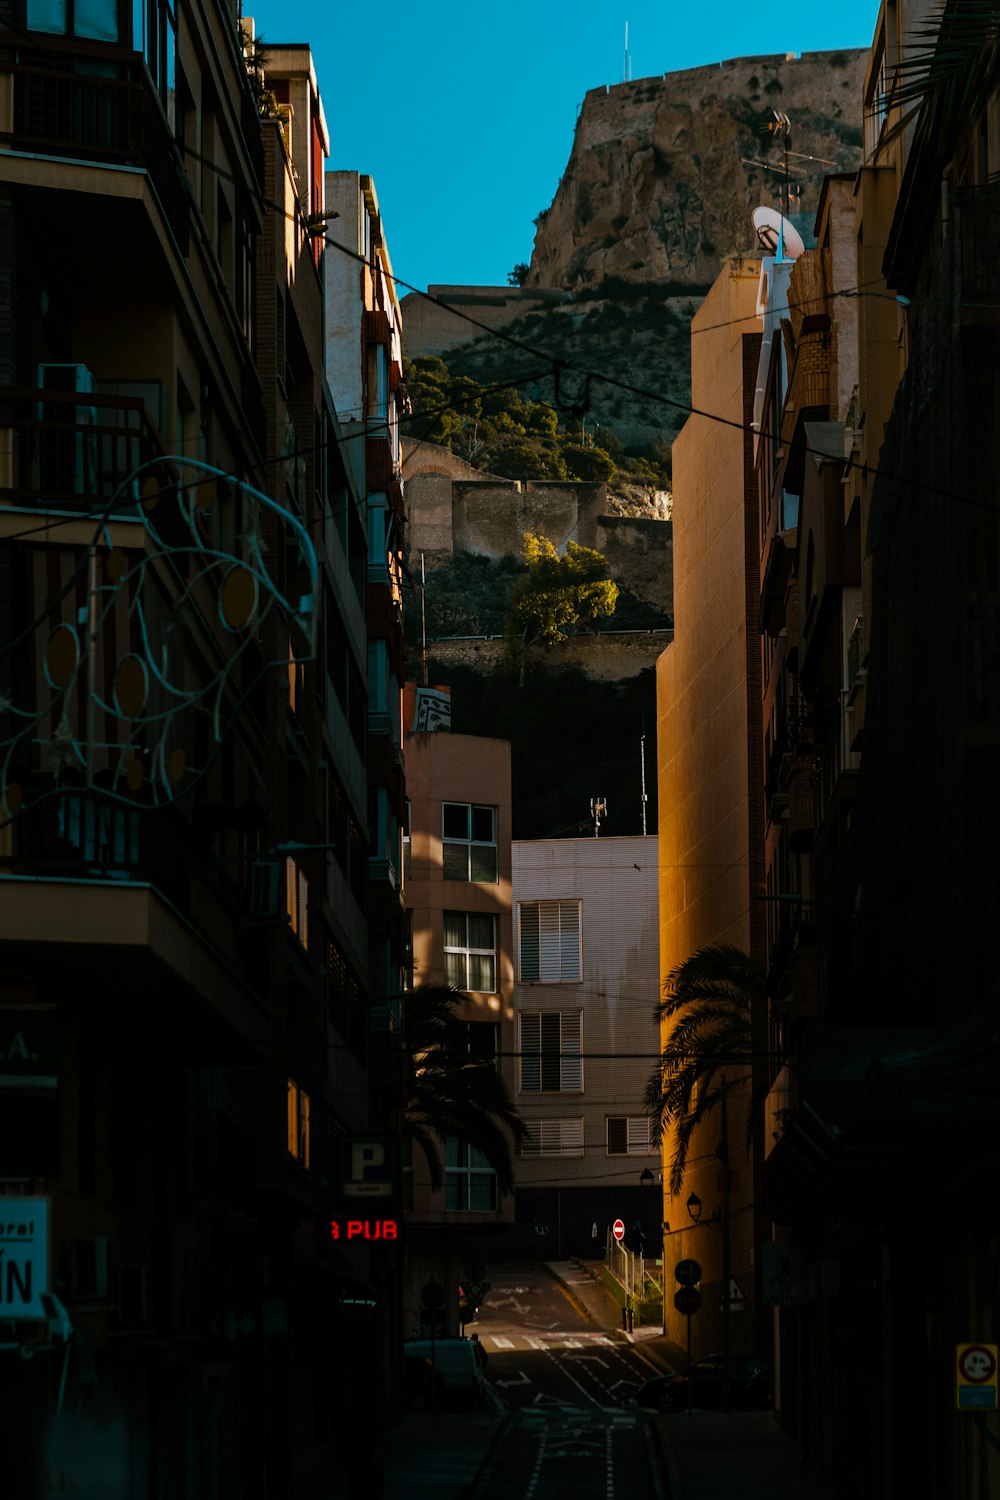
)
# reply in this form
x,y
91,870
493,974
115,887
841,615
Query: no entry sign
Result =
x,y
618,1230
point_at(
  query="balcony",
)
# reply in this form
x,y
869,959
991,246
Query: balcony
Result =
x,y
70,450
115,120
81,835
979,235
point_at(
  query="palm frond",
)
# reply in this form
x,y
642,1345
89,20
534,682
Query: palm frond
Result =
x,y
950,67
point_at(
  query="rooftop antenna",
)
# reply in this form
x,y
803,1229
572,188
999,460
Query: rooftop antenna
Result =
x,y
642,765
598,810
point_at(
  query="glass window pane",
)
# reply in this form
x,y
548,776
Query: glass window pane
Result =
x,y
454,1152
456,862
170,72
482,1192
483,863
97,19
480,931
455,821
483,825
482,974
47,15
454,1191
454,929
454,971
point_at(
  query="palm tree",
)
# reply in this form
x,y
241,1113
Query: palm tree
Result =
x,y
712,999
948,72
450,1092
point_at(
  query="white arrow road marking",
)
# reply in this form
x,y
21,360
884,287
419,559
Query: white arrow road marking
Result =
x,y
524,1380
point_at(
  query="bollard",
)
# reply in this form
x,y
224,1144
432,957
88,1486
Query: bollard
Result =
x,y
625,1320
630,1315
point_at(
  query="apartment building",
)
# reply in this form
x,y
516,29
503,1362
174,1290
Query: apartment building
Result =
x,y
183,923
587,982
710,749
458,891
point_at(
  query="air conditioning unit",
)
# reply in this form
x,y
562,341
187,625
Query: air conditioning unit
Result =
x,y
67,452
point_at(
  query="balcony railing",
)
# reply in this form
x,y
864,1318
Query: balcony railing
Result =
x,y
979,231
81,835
115,120
71,450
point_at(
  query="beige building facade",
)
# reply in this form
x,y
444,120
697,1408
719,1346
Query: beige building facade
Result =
x,y
708,758
458,893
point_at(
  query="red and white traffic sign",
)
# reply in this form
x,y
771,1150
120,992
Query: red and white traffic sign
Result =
x,y
618,1230
977,1363
976,1384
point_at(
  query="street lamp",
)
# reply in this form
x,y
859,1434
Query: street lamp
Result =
x,y
694,1208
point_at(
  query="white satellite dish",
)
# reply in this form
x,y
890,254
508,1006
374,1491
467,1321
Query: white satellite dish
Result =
x,y
775,233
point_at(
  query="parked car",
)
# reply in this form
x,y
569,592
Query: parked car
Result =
x,y
751,1384
455,1360
423,1386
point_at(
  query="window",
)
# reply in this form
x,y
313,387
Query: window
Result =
x,y
550,945
469,834
470,1183
298,1124
297,901
554,1138
96,19
551,1045
154,34
477,1039
470,951
630,1135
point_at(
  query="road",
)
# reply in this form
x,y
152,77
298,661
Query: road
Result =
x,y
567,1383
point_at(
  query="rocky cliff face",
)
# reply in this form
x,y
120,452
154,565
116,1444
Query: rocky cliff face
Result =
x,y
657,189
656,195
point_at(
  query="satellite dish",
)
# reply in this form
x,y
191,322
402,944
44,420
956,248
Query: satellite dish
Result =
x,y
774,230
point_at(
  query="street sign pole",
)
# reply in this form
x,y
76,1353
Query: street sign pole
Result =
x,y
690,1381
727,1326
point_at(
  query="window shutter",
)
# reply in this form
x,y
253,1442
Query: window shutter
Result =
x,y
550,967
529,943
554,1138
551,1072
571,1063
569,940
638,1135
531,1046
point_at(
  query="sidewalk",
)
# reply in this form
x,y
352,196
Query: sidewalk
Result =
x,y
430,1457
710,1455
713,1455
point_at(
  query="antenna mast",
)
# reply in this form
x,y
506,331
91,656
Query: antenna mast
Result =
x,y
598,810
642,765
626,70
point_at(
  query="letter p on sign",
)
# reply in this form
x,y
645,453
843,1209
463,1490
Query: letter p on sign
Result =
x,y
367,1170
365,1154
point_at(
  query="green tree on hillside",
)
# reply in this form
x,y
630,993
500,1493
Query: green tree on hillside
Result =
x,y
557,595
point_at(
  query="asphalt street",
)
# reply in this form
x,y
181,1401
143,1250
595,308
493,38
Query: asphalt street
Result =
x,y
567,1385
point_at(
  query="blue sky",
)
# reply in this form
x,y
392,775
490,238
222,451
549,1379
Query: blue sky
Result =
x,y
464,114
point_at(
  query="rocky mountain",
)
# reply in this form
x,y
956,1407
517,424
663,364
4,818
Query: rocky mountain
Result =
x,y
658,190
661,179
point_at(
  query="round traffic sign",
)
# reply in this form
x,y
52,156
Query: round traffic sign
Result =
x,y
687,1299
687,1272
977,1364
618,1230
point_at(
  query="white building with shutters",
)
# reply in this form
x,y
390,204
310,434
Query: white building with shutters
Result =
x,y
587,979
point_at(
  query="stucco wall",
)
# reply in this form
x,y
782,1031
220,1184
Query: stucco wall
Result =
x,y
431,327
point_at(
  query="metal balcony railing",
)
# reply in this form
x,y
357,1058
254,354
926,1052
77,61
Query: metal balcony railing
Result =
x,y
72,450
116,120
